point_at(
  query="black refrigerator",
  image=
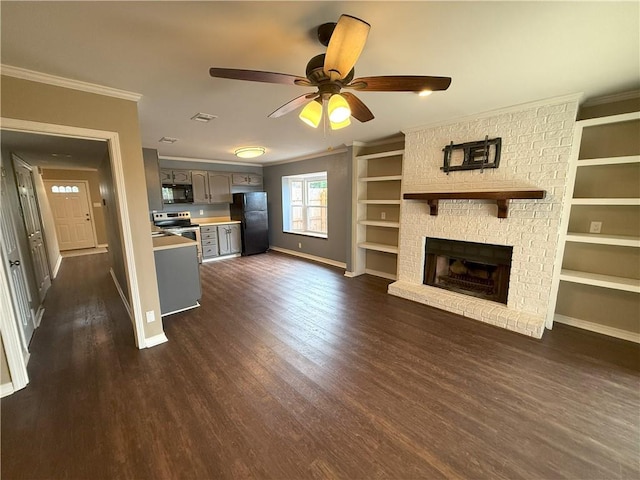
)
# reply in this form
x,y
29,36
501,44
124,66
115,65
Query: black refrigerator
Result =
x,y
251,209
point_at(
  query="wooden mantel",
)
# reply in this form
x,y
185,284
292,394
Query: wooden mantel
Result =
x,y
501,197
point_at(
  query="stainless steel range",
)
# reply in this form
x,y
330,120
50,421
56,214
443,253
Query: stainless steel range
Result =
x,y
179,223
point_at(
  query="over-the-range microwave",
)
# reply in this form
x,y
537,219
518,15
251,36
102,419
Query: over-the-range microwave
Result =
x,y
177,193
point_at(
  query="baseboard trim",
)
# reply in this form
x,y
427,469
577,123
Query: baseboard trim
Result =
x,y
349,274
39,315
181,310
597,328
6,389
327,261
155,340
57,266
122,295
378,273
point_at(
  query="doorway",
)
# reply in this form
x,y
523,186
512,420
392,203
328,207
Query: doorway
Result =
x,y
9,316
72,215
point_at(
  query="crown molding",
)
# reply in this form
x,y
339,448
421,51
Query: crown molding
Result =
x,y
324,153
205,160
618,97
575,97
40,77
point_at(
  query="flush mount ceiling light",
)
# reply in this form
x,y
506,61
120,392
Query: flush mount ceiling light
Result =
x,y
203,117
425,93
249,152
168,140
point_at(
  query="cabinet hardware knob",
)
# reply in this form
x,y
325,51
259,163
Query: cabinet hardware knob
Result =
x,y
14,264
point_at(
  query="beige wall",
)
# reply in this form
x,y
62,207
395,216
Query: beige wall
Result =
x,y
91,176
5,376
27,100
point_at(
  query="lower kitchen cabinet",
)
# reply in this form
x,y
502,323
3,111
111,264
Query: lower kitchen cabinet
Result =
x,y
220,240
229,241
178,275
209,239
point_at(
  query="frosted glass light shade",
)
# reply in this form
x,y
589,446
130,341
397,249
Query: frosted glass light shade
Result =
x,y
249,152
339,110
311,114
339,125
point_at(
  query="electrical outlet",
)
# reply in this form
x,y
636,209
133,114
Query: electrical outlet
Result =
x,y
201,212
151,316
383,215
595,227
299,244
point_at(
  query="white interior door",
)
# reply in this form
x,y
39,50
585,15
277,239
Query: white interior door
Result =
x,y
17,281
69,202
33,226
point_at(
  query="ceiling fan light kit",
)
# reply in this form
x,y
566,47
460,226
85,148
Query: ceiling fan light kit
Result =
x,y
311,114
338,109
333,71
249,152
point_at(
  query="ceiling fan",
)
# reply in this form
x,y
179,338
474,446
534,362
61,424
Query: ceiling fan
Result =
x,y
332,71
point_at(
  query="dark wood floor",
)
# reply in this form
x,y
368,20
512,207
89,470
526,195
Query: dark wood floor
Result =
x,y
291,371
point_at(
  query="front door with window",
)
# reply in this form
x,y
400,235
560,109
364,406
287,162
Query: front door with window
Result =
x,y
71,213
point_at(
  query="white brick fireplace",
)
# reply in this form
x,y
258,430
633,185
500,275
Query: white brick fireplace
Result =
x,y
536,144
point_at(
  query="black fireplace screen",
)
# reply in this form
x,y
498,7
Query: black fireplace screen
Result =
x,y
478,269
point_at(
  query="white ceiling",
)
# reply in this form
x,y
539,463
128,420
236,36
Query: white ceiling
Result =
x,y
499,54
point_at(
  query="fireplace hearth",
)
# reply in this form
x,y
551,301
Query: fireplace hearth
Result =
x,y
477,269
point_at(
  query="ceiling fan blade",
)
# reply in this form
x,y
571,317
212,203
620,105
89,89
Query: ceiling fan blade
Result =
x,y
257,76
400,83
291,105
345,46
359,110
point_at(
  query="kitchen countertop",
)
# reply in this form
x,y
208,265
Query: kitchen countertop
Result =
x,y
172,241
204,222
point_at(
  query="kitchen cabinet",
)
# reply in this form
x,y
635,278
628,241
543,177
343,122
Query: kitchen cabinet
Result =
x,y
219,188
178,275
209,239
152,178
177,177
200,184
229,241
251,179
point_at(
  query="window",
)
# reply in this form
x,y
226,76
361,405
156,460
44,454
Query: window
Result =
x,y
304,204
64,189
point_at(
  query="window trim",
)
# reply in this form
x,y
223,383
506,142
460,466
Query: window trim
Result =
x,y
287,205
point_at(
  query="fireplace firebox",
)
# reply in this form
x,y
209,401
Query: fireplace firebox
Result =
x,y
477,269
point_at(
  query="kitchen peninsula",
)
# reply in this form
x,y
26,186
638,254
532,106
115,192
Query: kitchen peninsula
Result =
x,y
177,271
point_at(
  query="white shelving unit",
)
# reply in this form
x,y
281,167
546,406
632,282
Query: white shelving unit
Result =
x,y
376,205
598,286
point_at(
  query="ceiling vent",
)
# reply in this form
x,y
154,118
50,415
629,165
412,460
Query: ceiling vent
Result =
x,y
168,140
203,117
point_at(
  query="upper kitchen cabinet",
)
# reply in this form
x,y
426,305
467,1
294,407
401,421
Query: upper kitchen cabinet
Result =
x,y
219,188
200,184
244,179
152,177
177,177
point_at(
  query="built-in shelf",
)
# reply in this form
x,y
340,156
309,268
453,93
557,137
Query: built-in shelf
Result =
x,y
502,198
387,178
379,202
599,239
607,201
371,156
379,247
591,162
380,223
597,280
